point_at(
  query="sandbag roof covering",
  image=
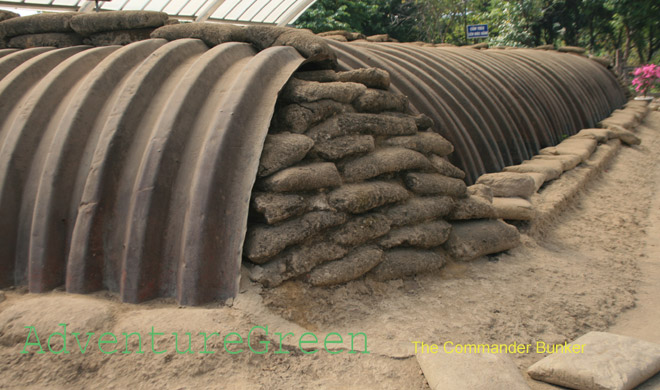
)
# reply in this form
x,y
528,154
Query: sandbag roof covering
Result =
x,y
498,107
276,12
130,168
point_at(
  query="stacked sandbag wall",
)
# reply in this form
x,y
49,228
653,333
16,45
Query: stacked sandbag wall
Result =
x,y
515,189
71,29
350,183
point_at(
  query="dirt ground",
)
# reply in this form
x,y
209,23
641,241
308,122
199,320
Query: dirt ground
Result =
x,y
595,268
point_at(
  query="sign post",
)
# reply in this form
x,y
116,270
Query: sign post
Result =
x,y
477,31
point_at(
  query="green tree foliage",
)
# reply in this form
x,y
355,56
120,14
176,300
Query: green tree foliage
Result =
x,y
603,26
513,23
369,17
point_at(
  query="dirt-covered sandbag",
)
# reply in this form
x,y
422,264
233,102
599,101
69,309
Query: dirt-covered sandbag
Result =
x,y
370,77
96,22
343,33
551,169
263,242
338,38
435,184
358,123
514,208
361,197
472,239
318,202
281,151
313,48
472,207
340,147
211,33
601,135
480,45
599,361
509,184
45,40
361,229
120,37
571,49
377,100
623,119
422,121
454,370
539,179
301,91
302,178
568,161
481,190
424,235
296,261
583,147
625,136
351,267
385,160
263,36
4,15
378,38
321,76
545,47
278,207
401,262
38,24
423,142
444,167
420,209
298,117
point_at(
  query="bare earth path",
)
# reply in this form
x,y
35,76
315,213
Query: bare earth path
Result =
x,y
595,268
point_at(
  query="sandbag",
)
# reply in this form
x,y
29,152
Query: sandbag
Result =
x,y
361,197
95,22
470,240
382,161
351,267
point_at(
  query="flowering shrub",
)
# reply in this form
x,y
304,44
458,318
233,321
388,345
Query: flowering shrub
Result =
x,y
646,77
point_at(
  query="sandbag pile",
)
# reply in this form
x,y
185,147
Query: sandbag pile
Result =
x,y
117,27
4,15
71,29
352,183
512,189
51,29
342,35
310,46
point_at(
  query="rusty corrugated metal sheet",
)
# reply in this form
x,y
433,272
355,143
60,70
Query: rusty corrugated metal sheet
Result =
x,y
130,168
498,107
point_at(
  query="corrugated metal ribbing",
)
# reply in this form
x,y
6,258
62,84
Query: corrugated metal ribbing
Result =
x,y
130,168
498,107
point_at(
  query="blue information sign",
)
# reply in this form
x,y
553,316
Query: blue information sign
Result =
x,y
477,31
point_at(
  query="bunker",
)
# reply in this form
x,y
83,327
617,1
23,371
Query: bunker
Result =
x,y
153,160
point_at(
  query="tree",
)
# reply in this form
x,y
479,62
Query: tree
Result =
x,y
391,17
513,22
602,26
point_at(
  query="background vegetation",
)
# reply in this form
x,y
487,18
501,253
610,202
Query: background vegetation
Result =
x,y
601,26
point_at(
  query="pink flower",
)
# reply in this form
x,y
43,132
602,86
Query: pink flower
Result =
x,y
647,76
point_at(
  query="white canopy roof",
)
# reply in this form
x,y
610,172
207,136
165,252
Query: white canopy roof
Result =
x,y
277,12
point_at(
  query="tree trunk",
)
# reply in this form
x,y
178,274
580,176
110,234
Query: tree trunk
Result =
x,y
628,46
